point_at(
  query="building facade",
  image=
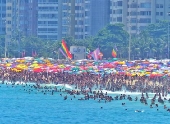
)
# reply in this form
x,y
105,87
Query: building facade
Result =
x,y
83,18
73,15
67,18
56,19
99,15
47,26
137,14
21,17
2,16
20,20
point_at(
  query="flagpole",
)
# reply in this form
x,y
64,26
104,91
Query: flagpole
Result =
x,y
58,55
32,53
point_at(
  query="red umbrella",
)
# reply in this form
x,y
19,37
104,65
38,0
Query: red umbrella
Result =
x,y
38,70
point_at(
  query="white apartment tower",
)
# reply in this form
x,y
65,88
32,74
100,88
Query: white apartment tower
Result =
x,y
47,26
2,16
76,18
137,14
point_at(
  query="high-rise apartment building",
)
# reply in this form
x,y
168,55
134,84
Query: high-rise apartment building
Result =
x,y
84,18
48,19
67,18
21,17
73,18
99,15
55,19
20,20
137,14
2,16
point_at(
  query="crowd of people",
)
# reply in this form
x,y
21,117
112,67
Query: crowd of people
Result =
x,y
87,80
91,85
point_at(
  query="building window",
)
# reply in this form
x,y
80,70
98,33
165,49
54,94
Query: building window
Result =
x,y
145,5
157,13
145,20
133,13
133,5
42,29
133,28
52,22
119,19
145,12
87,29
161,13
161,6
8,22
133,20
119,3
119,11
42,36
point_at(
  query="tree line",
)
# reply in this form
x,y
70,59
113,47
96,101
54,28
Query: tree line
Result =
x,y
152,42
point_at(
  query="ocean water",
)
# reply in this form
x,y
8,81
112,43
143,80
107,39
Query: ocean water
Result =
x,y
18,106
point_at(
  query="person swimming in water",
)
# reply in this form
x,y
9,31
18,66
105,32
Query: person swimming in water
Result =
x,y
138,111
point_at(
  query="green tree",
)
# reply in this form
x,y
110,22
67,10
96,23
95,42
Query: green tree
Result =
x,y
108,37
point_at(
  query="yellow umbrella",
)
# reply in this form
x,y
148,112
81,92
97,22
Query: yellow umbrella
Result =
x,y
61,66
22,66
34,65
20,60
8,64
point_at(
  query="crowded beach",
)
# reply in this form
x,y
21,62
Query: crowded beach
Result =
x,y
92,79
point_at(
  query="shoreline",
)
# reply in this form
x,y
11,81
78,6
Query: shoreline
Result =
x,y
69,87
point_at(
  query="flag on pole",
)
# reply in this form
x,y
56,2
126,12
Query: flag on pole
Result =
x,y
114,54
62,52
64,46
95,54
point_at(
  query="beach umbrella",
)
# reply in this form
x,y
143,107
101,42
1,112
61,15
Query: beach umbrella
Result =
x,y
20,60
112,60
75,69
37,70
8,64
22,66
61,66
34,65
53,70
